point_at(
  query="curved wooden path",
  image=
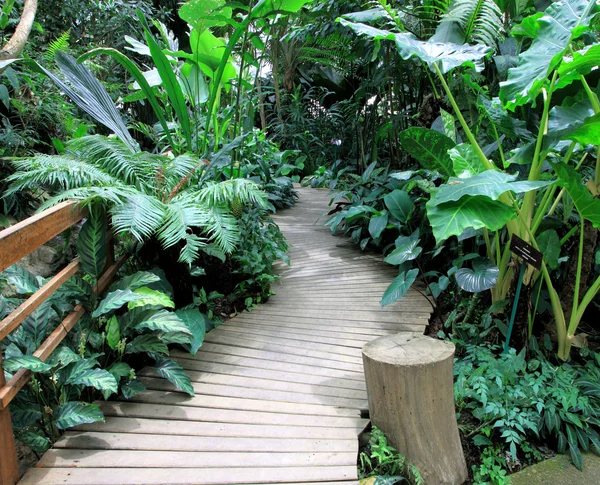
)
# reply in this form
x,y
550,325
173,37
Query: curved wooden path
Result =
x,y
280,395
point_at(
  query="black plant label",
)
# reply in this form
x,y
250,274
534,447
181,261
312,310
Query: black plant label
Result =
x,y
526,251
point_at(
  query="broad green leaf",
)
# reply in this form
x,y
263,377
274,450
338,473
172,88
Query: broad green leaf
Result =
x,y
163,321
446,55
97,378
429,148
62,357
113,332
24,413
28,362
377,224
270,7
566,120
202,14
453,218
465,162
588,133
449,125
35,441
563,21
505,122
150,297
481,277
91,242
399,286
146,344
490,183
175,374
549,244
24,282
115,300
119,370
75,413
580,64
587,205
407,249
135,281
132,388
196,324
399,204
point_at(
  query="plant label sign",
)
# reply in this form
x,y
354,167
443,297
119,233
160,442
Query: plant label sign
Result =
x,y
526,251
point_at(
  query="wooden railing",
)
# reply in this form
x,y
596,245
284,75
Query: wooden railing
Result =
x,y
17,242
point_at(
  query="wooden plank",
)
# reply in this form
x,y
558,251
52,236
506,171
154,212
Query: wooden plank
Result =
x,y
9,469
66,458
272,365
19,240
163,424
268,384
182,413
205,389
129,441
333,475
242,404
12,321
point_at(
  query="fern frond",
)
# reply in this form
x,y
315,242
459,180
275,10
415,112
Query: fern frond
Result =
x,y
192,248
181,215
116,158
222,194
141,215
471,21
223,229
62,171
59,44
111,195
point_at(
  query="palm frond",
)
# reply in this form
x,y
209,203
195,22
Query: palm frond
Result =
x,y
62,171
140,215
223,229
111,195
181,215
223,194
192,248
137,169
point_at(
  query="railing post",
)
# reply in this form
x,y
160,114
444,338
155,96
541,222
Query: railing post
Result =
x,y
9,469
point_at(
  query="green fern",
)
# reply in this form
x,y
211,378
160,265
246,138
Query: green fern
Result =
x,y
471,21
59,44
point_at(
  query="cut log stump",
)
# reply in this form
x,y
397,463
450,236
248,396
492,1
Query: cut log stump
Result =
x,y
410,387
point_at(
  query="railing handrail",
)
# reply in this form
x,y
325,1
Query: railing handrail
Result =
x,y
16,242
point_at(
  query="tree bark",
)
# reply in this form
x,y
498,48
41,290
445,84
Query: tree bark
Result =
x,y
17,42
411,399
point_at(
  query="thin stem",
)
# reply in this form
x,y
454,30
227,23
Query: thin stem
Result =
x,y
568,235
579,264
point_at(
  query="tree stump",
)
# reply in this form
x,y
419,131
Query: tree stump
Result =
x,y
411,399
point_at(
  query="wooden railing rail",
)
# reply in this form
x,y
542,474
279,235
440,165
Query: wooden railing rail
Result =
x,y
17,242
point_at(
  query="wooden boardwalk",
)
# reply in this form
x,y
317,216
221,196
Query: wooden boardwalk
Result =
x,y
280,395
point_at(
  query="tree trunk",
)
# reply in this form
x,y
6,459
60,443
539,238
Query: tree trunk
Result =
x,y
17,42
410,387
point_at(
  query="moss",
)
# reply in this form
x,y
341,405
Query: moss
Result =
x,y
559,470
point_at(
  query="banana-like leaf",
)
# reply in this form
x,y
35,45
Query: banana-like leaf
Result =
x,y
398,203
146,344
563,21
175,374
453,218
490,183
97,378
24,282
196,324
35,441
169,83
139,77
446,55
132,388
430,148
135,281
91,243
29,362
399,286
120,370
151,297
587,205
89,95
482,277
74,413
24,413
115,300
407,249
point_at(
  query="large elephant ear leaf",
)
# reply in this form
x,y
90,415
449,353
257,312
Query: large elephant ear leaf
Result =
x,y
91,243
399,204
399,287
481,277
587,205
552,34
430,148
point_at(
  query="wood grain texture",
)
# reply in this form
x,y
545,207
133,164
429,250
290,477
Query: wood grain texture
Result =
x,y
19,240
279,391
